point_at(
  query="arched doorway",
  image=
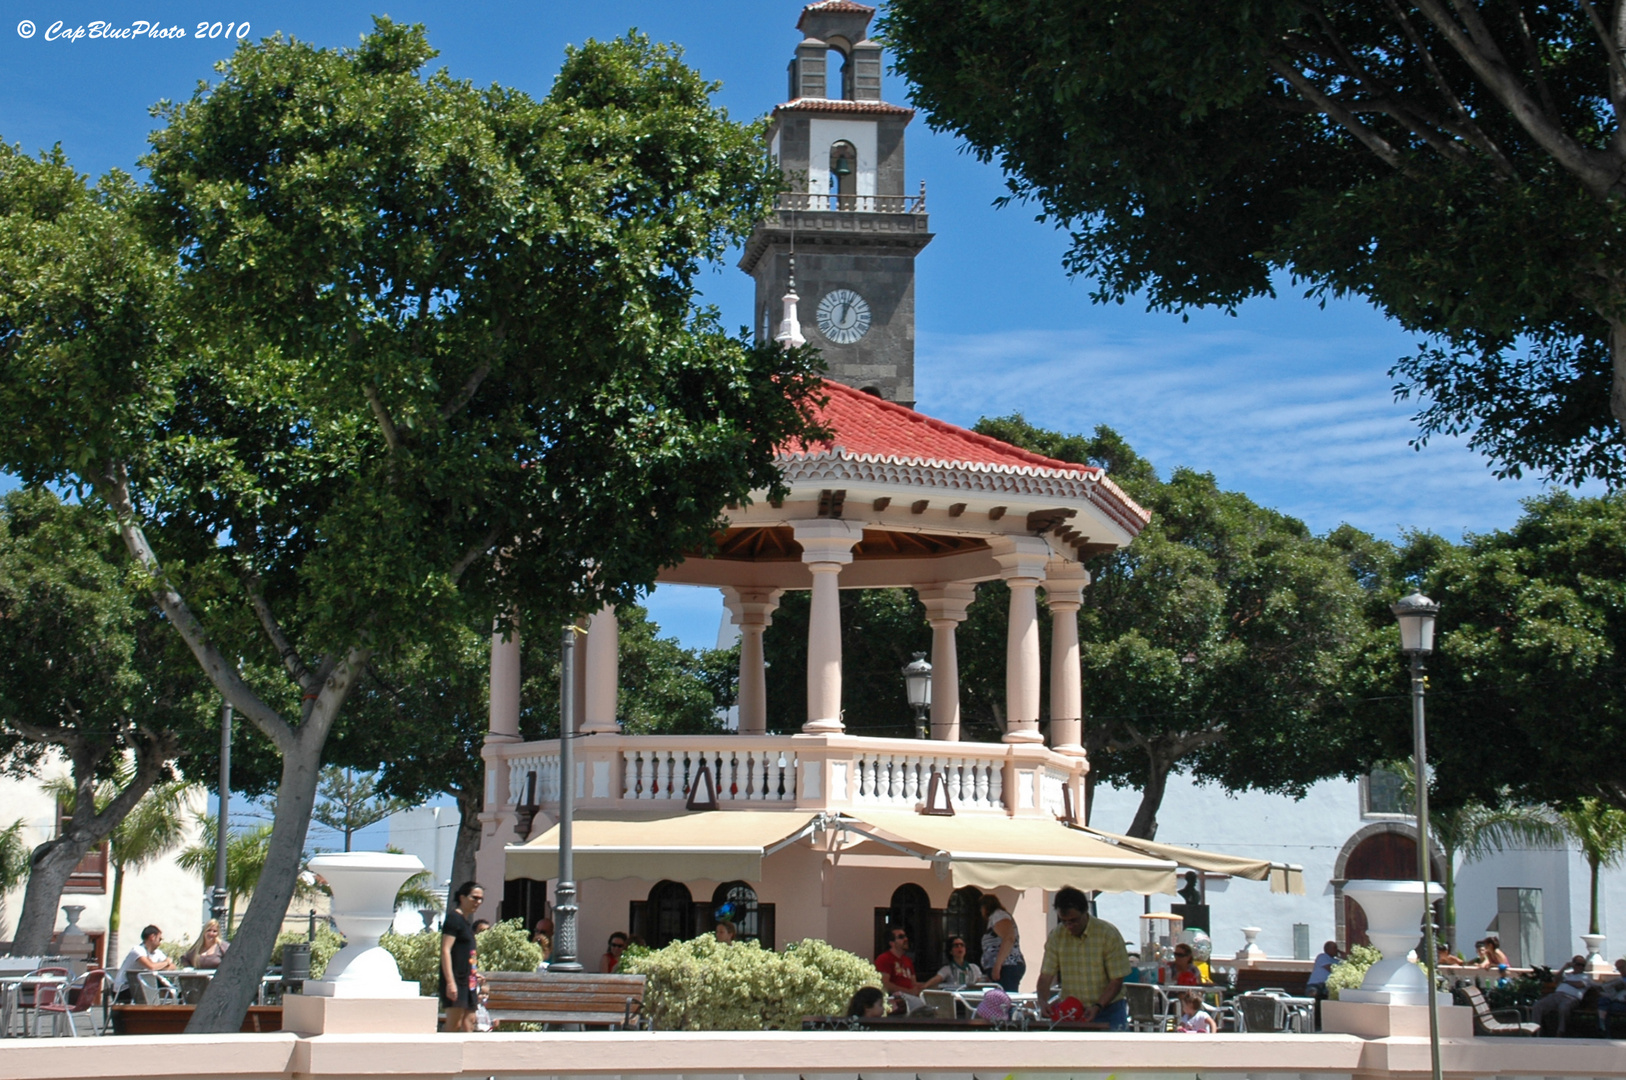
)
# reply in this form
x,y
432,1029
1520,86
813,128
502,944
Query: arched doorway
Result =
x,y
964,917
1386,851
753,920
670,914
911,910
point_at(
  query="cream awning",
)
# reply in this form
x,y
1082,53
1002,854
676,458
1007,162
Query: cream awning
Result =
x,y
1283,877
707,845
1023,853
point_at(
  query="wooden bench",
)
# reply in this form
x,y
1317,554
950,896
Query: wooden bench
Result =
x,y
172,1019
546,997
1294,983
1497,1022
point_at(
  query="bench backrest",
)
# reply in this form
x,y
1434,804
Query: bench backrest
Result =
x,y
585,997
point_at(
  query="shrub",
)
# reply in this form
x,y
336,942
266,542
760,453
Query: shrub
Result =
x,y
1348,973
503,947
701,985
327,943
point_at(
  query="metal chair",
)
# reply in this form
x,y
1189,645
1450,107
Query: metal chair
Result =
x,y
1148,1007
153,989
30,995
80,997
1261,1012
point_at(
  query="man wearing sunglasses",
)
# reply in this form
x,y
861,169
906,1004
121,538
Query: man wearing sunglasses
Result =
x,y
898,970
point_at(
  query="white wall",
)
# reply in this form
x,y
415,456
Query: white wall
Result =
x,y
161,894
1311,833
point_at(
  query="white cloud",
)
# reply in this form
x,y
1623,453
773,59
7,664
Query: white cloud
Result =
x,y
1308,426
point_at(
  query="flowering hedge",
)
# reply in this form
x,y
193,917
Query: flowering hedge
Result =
x,y
1348,974
701,985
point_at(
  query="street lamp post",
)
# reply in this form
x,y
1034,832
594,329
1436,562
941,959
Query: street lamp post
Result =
x,y
1416,616
564,898
917,686
218,895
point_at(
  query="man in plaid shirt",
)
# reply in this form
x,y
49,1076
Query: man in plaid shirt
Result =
x,y
1091,960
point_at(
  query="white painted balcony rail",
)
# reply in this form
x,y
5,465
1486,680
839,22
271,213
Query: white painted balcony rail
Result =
x,y
790,771
857,204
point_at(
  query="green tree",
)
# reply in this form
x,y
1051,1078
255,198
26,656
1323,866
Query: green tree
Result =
x,y
1526,688
420,717
13,860
155,827
87,670
376,353
350,802
1600,831
1458,164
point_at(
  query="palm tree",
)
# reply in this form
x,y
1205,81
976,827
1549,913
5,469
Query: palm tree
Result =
x,y
153,828
1600,831
246,853
1474,832
13,861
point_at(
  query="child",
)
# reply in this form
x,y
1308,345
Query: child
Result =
x,y
1193,1018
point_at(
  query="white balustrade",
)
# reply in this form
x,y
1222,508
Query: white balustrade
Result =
x,y
902,780
546,769
739,775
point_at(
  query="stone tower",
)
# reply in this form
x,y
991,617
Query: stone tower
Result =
x,y
847,218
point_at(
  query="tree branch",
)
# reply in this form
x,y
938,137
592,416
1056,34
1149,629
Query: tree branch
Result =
x,y
268,622
113,485
1336,111
473,554
465,395
1617,69
392,438
1596,172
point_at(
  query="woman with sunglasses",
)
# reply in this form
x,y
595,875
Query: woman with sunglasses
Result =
x,y
612,955
958,973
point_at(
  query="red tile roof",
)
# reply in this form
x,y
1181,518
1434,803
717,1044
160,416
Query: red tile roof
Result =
x,y
843,105
866,424
835,7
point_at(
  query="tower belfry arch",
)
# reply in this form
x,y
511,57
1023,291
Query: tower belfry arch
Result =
x,y
848,218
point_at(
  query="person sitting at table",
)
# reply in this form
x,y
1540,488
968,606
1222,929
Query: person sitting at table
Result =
x,y
958,973
1185,970
144,957
208,951
1612,998
1317,983
1444,957
1571,988
481,926
898,970
612,954
867,1001
1194,1019
1492,956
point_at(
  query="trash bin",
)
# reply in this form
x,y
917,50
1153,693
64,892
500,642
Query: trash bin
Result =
x,y
296,967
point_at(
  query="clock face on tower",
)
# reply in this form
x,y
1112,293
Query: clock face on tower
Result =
x,y
843,316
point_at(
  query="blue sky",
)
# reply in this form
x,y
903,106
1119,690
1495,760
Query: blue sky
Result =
x,y
1288,401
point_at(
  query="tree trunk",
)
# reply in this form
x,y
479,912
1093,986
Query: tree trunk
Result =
x,y
1617,385
232,990
1144,827
1592,920
468,839
115,906
48,871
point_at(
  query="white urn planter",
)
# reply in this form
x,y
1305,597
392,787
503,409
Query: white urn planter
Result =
x,y
364,884
1595,962
1251,951
1394,919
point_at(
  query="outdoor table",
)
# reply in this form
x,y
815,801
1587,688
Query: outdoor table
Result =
x,y
11,987
192,984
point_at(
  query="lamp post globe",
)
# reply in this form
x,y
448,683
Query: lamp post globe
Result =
x,y
1416,614
917,687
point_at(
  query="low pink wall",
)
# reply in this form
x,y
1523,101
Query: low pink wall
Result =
x,y
989,1055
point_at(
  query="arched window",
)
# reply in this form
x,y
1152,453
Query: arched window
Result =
x,y
964,917
671,914
743,898
911,911
837,70
843,173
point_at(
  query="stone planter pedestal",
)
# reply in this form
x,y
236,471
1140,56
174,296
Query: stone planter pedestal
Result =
x,y
1393,998
362,991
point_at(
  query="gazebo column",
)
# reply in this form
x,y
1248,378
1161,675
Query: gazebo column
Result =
x,y
1023,560
603,673
752,611
945,609
499,823
1064,592
827,545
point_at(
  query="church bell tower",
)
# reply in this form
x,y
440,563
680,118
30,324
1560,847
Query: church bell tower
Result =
x,y
846,218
